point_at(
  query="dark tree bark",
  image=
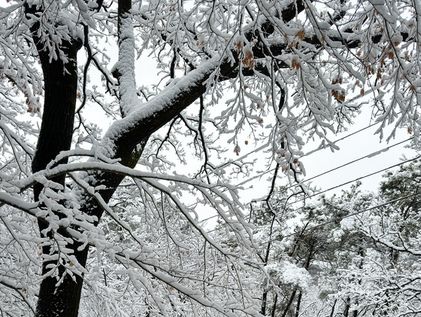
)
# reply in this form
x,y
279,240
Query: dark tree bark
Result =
x,y
347,307
297,308
60,82
60,86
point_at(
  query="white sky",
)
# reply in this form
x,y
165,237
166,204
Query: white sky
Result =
x,y
351,148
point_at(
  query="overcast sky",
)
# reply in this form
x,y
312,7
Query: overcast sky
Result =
x,y
351,148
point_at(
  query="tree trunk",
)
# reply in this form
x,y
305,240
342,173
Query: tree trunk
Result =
x,y
290,301
61,300
297,308
60,82
60,87
347,307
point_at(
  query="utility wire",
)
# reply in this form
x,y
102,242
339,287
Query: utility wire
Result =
x,y
351,214
325,146
337,186
340,139
370,155
339,167
356,179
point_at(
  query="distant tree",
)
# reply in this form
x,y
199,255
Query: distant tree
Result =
x,y
306,251
354,254
278,72
369,249
388,283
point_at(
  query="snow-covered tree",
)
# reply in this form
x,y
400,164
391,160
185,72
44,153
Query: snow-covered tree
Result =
x,y
119,209
353,254
387,283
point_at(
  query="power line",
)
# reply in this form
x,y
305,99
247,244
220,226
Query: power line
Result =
x,y
339,167
326,172
325,146
334,187
340,139
342,218
243,156
370,155
356,179
350,214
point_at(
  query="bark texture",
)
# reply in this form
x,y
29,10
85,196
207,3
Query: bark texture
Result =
x,y
60,87
60,82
